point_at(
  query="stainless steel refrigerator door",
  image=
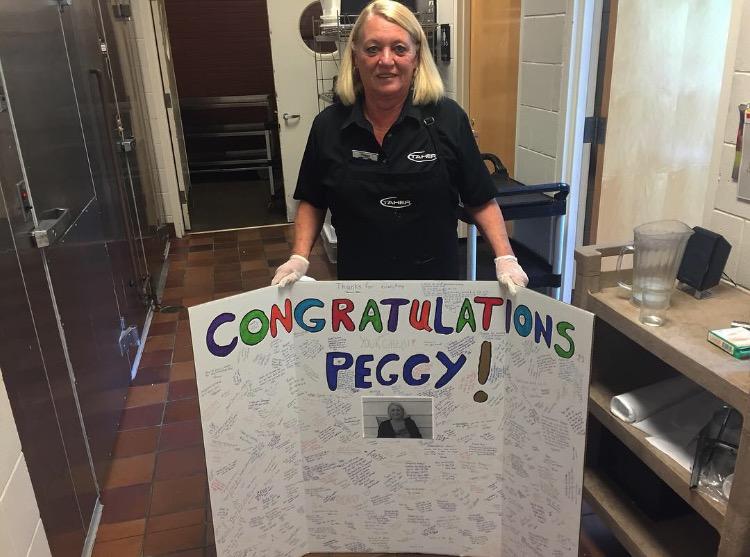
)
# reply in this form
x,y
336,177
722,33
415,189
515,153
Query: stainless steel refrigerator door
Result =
x,y
33,367
70,282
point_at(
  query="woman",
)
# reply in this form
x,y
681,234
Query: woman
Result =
x,y
399,424
391,160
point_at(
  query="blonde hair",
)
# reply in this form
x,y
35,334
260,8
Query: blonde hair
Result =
x,y
427,87
399,405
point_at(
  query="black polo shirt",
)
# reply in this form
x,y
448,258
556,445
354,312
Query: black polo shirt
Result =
x,y
341,136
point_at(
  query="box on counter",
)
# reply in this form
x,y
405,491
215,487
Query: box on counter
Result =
x,y
733,340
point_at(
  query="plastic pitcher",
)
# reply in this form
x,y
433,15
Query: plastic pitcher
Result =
x,y
657,253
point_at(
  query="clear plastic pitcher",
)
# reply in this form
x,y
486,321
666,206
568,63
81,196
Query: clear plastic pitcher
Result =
x,y
657,252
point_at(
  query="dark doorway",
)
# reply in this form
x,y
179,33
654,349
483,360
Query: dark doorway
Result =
x,y
222,62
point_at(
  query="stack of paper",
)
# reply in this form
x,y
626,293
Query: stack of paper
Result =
x,y
671,412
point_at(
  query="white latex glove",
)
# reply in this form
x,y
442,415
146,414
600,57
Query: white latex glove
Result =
x,y
291,271
509,273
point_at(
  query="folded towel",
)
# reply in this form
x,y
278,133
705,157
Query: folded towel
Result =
x,y
639,404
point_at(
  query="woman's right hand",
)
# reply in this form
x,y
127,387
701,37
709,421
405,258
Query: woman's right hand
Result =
x,y
291,271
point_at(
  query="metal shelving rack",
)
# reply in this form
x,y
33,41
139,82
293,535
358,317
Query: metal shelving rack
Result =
x,y
327,64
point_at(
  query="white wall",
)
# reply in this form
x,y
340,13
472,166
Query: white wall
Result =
x,y
21,530
728,215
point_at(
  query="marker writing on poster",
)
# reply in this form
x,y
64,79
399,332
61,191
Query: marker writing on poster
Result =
x,y
483,371
384,317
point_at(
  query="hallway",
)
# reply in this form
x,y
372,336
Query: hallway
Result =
x,y
156,497
156,500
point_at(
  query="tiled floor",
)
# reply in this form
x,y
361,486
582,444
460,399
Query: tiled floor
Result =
x,y
156,497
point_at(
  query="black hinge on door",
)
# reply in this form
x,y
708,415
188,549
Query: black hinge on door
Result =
x,y
183,196
167,100
122,10
594,130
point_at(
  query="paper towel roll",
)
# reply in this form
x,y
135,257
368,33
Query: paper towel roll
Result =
x,y
639,404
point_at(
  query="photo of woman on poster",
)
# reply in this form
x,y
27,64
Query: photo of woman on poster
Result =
x,y
399,425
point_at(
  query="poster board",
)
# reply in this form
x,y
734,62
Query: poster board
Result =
x,y
291,382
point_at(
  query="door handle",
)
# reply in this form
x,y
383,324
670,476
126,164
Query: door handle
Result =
x,y
51,226
286,116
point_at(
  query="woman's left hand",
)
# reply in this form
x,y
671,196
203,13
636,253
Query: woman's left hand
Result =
x,y
510,274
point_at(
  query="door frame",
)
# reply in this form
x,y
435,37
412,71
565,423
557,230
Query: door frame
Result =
x,y
579,87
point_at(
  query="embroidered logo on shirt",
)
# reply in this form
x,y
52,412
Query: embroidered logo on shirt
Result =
x,y
366,155
395,203
421,156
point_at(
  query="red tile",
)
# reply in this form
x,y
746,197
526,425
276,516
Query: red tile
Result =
x,y
172,292
229,286
170,541
180,463
125,503
190,301
182,410
251,234
146,395
175,520
201,263
157,358
198,289
162,328
142,416
119,530
227,276
200,248
200,239
132,470
159,342
186,388
255,273
170,496
180,434
126,547
254,265
151,375
136,441
164,317
184,353
224,267
182,370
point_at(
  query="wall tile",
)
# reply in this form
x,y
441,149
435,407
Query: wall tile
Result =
x,y
540,85
543,39
742,252
10,446
533,168
543,7
537,130
18,510
740,94
742,62
730,227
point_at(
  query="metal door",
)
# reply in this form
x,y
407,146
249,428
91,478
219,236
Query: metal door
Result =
x,y
296,88
68,275
32,363
103,135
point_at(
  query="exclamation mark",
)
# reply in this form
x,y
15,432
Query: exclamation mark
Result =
x,y
483,372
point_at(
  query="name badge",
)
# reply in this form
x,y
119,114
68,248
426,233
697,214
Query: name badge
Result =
x,y
364,155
